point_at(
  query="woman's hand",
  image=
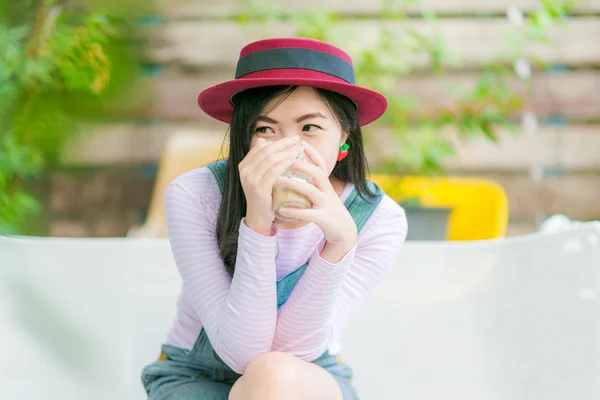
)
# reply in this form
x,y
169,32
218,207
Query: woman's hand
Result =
x,y
259,171
328,211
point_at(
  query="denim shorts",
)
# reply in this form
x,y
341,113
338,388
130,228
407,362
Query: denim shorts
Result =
x,y
199,374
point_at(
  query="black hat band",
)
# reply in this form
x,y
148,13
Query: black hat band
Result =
x,y
295,58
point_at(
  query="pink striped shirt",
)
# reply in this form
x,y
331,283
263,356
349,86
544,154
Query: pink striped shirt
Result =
x,y
240,315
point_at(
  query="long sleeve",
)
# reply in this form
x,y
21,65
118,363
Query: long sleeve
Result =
x,y
328,295
239,314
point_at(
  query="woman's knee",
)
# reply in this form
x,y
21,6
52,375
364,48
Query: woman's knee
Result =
x,y
275,366
276,375
268,376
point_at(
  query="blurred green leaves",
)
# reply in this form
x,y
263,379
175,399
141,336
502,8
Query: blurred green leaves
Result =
x,y
57,68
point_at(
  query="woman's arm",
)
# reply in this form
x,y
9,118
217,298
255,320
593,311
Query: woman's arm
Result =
x,y
328,295
239,314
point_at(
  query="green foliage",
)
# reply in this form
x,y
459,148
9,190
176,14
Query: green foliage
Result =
x,y
56,70
396,54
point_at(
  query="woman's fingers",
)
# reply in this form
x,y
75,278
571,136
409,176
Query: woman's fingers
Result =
x,y
267,164
319,177
304,214
276,171
314,156
310,191
274,147
255,164
261,143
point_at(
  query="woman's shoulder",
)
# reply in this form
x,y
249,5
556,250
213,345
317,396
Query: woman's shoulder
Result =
x,y
199,184
388,216
389,208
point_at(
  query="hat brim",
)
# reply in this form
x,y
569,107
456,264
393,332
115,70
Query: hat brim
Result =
x,y
215,101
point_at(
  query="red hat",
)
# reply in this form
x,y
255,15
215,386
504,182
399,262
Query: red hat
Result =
x,y
292,61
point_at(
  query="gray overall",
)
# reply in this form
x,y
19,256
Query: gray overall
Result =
x,y
199,373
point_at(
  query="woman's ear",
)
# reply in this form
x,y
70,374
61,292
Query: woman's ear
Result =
x,y
344,138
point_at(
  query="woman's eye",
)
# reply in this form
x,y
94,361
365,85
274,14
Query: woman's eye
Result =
x,y
310,128
264,129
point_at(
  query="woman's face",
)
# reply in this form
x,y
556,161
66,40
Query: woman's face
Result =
x,y
303,113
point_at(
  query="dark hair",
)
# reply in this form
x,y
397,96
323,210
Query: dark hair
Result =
x,y
248,106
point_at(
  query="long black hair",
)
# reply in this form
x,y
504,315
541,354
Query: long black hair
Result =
x,y
249,104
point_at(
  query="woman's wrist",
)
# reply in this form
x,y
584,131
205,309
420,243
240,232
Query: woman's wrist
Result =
x,y
264,228
335,252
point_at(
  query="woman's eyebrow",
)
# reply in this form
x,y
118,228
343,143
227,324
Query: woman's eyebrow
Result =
x,y
311,115
264,118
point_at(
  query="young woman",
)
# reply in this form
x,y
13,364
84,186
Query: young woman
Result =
x,y
265,298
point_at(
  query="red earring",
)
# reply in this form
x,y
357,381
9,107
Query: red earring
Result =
x,y
343,152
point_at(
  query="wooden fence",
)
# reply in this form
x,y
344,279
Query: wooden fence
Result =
x,y
197,44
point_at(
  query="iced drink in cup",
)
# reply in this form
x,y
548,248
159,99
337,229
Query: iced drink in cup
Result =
x,y
285,197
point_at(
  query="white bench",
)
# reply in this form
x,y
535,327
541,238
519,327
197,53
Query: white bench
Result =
x,y
499,320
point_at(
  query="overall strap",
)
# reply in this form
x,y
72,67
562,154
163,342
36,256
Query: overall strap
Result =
x,y
360,208
219,170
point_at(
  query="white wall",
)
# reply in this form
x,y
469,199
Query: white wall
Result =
x,y
511,319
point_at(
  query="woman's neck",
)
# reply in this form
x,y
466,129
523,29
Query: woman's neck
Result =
x,y
338,186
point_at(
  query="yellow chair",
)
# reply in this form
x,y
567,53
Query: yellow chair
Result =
x,y
184,151
479,206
